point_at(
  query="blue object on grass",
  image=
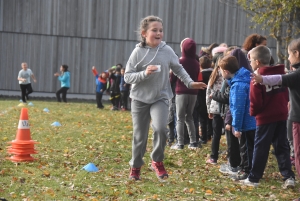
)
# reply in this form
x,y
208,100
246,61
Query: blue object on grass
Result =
x,y
46,110
56,123
90,168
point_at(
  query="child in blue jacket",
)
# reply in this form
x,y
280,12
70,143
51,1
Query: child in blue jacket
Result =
x,y
100,86
243,124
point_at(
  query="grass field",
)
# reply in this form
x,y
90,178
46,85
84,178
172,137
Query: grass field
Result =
x,y
103,137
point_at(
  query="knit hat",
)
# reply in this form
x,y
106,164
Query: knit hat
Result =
x,y
218,49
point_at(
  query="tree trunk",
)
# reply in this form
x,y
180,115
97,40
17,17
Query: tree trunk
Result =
x,y
278,50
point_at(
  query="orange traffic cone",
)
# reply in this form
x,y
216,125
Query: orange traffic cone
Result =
x,y
23,145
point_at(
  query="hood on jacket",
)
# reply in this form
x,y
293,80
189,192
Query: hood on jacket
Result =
x,y
188,48
242,59
296,65
242,75
161,45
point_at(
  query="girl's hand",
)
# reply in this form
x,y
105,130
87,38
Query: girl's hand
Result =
x,y
210,116
256,78
150,69
56,74
93,67
198,85
34,80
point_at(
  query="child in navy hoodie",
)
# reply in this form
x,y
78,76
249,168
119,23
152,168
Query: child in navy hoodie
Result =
x,y
100,86
269,106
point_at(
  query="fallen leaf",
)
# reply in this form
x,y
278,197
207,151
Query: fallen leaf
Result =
x,y
208,192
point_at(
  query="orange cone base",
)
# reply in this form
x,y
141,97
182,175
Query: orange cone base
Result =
x,y
21,146
23,142
22,152
21,158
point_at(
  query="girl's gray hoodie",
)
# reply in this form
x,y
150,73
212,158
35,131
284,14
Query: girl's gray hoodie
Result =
x,y
154,87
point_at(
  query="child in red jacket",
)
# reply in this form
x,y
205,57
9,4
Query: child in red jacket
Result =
x,y
269,106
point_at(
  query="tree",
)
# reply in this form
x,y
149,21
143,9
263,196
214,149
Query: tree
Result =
x,y
280,17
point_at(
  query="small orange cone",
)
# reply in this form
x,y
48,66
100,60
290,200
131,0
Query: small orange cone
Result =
x,y
23,145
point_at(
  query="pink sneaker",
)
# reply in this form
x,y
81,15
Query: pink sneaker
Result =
x,y
135,174
159,169
211,161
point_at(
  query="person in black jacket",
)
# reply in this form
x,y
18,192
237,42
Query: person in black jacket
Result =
x,y
205,122
233,148
115,94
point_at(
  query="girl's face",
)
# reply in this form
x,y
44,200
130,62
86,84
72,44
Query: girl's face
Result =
x,y
293,56
153,34
61,69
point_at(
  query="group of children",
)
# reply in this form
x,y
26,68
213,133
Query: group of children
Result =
x,y
247,109
113,82
253,113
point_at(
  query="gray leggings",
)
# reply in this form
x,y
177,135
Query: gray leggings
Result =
x,y
185,104
142,113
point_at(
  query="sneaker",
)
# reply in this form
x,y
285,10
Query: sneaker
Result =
x,y
135,174
241,175
159,169
228,170
177,146
247,182
114,108
211,161
194,145
289,183
203,141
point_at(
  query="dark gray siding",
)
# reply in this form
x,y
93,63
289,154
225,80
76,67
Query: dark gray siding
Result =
x,y
83,33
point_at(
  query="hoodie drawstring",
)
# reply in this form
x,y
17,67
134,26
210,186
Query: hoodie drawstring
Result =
x,y
144,58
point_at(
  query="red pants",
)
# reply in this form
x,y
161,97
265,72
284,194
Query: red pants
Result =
x,y
296,135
